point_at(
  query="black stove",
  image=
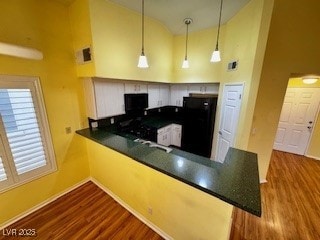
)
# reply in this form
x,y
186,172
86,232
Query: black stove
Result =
x,y
138,129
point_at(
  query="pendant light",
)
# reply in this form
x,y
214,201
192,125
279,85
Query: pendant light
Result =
x,y
185,63
143,62
216,53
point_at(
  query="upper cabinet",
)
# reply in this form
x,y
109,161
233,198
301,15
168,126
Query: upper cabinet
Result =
x,y
164,94
158,95
103,98
203,88
178,91
135,88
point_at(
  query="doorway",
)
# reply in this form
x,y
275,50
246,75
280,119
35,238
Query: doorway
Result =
x,y
229,118
298,116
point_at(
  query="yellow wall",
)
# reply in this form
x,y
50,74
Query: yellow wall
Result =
x,y
245,40
242,38
179,210
116,35
81,34
45,25
314,149
292,48
200,47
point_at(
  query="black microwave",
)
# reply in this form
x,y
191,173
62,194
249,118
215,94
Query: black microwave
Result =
x,y
134,102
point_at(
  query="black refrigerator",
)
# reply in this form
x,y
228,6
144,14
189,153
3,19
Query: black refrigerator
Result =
x,y
198,124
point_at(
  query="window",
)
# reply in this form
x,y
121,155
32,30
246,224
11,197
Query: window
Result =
x,y
26,150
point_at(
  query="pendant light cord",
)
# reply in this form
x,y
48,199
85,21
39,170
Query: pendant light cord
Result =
x,y
187,35
219,25
142,27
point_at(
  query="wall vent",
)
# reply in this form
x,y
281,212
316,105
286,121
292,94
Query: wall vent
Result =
x,y
83,55
233,65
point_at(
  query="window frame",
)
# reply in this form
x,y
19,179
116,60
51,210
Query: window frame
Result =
x,y
13,179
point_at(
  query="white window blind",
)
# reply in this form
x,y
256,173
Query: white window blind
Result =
x,y
22,129
26,145
3,175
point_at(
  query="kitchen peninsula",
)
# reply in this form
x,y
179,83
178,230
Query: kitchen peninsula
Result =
x,y
126,168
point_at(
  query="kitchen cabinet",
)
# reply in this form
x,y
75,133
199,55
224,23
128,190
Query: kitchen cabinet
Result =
x,y
170,135
178,91
153,95
103,98
164,95
135,88
164,135
176,130
204,88
158,95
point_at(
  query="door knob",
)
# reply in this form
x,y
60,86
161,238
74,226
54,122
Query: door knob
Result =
x,y
220,133
310,122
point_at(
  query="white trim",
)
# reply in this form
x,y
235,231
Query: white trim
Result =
x,y
33,84
42,204
103,188
263,181
315,158
216,142
131,210
316,118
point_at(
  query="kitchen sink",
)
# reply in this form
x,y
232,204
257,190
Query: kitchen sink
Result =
x,y
152,144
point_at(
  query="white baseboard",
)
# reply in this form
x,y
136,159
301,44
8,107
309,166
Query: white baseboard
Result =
x,y
131,210
42,204
315,158
263,181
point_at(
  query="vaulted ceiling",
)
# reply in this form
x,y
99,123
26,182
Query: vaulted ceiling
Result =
x,y
171,13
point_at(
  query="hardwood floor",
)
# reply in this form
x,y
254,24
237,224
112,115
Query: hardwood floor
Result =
x,y
290,202
85,213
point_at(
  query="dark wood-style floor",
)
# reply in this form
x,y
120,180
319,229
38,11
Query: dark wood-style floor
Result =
x,y
85,213
290,202
290,210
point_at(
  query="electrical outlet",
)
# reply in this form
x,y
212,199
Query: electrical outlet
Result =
x,y
112,120
145,113
68,130
150,210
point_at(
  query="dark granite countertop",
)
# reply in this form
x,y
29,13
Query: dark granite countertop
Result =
x,y
159,121
236,181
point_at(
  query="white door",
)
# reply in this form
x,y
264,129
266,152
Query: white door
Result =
x,y
296,120
230,110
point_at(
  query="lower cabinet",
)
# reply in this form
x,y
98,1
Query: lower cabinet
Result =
x,y
176,135
170,135
164,136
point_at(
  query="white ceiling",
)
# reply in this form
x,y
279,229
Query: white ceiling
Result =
x,y
205,13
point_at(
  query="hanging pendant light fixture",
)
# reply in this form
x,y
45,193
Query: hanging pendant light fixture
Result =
x,y
216,53
143,62
185,63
